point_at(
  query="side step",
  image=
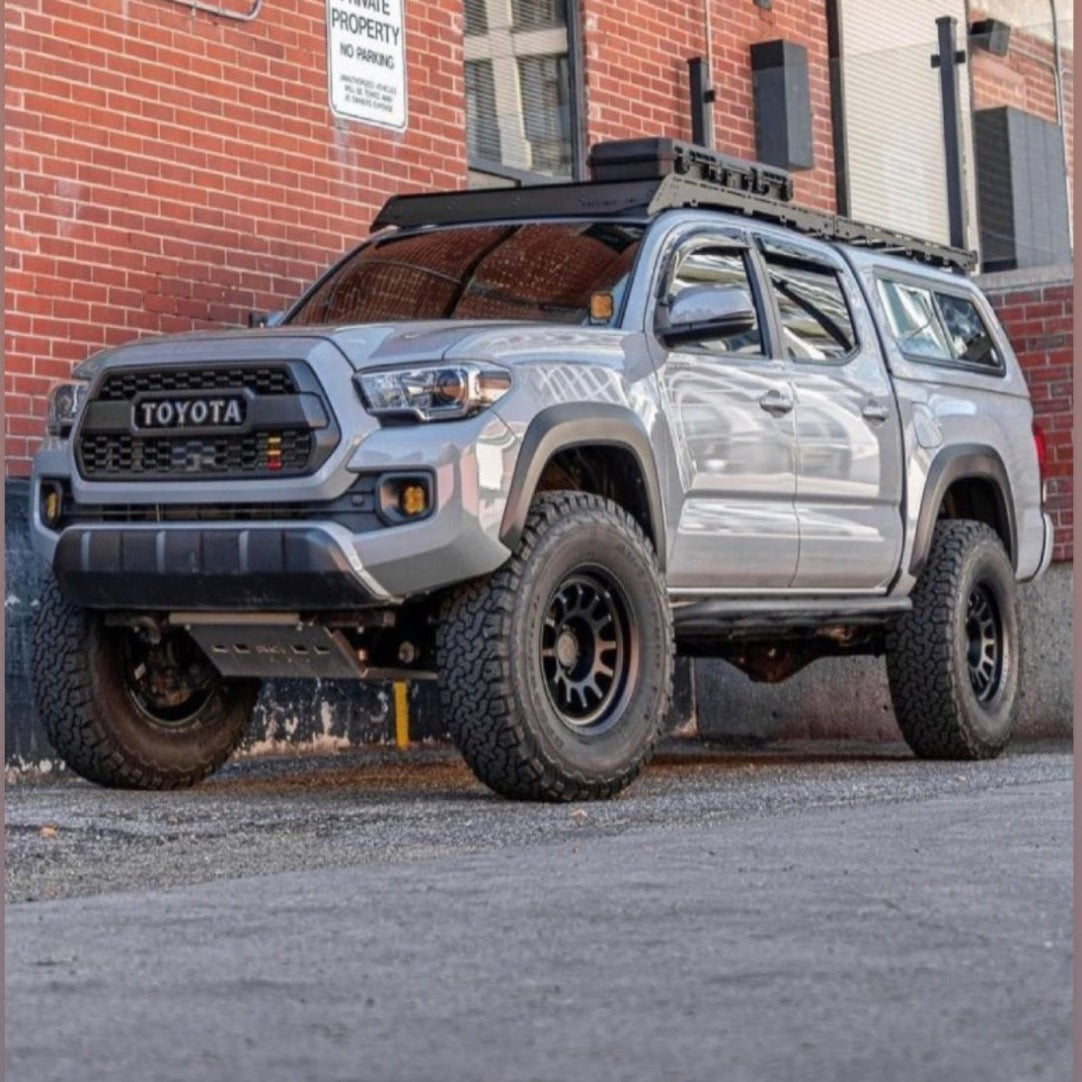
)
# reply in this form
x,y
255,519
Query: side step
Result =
x,y
753,618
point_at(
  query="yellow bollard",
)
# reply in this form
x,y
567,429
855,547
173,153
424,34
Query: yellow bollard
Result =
x,y
401,715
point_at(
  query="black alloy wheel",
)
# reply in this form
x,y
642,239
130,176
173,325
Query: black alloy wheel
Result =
x,y
170,681
588,649
954,662
127,712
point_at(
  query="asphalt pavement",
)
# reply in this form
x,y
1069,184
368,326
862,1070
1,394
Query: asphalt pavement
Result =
x,y
806,913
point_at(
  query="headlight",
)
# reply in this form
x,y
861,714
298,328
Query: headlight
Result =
x,y
437,392
65,402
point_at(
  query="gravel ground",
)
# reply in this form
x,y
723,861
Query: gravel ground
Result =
x,y
66,837
802,913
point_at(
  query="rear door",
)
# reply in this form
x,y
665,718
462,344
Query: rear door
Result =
x,y
731,407
848,434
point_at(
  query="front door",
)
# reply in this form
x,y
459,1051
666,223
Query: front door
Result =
x,y
731,406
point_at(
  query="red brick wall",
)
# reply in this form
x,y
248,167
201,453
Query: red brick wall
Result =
x,y
637,76
169,170
1039,321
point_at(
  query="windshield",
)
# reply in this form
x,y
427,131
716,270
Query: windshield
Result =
x,y
540,270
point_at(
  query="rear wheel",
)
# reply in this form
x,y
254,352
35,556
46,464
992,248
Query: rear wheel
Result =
x,y
126,712
954,661
556,672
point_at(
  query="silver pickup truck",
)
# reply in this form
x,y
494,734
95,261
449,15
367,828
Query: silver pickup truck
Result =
x,y
530,444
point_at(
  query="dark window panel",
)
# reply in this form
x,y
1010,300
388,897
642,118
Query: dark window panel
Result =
x,y
482,130
536,14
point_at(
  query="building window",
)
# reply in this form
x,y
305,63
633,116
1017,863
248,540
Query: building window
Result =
x,y
522,94
546,87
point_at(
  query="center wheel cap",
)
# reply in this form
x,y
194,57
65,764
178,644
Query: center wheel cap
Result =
x,y
567,649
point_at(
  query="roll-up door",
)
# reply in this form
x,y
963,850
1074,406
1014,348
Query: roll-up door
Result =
x,y
893,118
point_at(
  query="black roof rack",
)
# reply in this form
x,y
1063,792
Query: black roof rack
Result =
x,y
646,176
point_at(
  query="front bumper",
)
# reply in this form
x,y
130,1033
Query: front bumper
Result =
x,y
287,564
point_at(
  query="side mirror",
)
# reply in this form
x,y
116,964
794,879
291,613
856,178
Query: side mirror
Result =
x,y
706,311
265,319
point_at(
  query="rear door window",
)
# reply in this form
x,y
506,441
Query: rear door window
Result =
x,y
815,319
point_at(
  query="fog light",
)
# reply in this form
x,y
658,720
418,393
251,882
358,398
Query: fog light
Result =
x,y
52,503
413,500
404,497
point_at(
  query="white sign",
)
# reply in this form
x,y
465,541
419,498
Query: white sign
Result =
x,y
366,60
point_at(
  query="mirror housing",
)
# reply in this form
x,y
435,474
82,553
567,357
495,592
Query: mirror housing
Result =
x,y
265,319
706,311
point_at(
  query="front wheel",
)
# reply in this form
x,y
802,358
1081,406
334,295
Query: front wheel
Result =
x,y
556,672
128,713
954,661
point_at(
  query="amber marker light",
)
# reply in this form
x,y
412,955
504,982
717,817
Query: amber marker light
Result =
x,y
602,307
274,452
50,509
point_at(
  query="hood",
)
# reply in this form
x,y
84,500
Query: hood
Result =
x,y
374,345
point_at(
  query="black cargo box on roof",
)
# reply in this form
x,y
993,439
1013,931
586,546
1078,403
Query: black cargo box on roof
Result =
x,y
649,159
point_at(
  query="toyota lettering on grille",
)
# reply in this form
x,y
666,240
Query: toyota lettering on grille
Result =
x,y
189,411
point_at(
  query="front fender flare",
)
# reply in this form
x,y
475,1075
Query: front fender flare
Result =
x,y
580,424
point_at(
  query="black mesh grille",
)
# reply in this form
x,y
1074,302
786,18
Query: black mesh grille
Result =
x,y
282,449
261,380
113,455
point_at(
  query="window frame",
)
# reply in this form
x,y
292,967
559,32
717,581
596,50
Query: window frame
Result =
x,y
719,237
999,370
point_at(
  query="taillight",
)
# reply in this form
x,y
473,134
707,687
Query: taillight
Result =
x,y
1042,457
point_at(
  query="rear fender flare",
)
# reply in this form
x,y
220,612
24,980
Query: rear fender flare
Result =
x,y
959,463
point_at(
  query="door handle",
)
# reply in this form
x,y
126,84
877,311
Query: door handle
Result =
x,y
776,403
875,411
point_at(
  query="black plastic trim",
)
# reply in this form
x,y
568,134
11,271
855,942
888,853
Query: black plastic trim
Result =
x,y
966,461
261,569
580,424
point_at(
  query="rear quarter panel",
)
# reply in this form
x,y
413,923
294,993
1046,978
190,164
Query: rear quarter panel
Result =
x,y
943,407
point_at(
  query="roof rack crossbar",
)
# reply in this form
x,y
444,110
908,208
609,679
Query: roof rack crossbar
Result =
x,y
676,191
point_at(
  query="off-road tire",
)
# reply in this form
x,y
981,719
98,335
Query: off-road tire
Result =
x,y
497,697
93,722
931,649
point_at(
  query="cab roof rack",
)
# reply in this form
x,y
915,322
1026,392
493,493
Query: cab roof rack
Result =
x,y
643,177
